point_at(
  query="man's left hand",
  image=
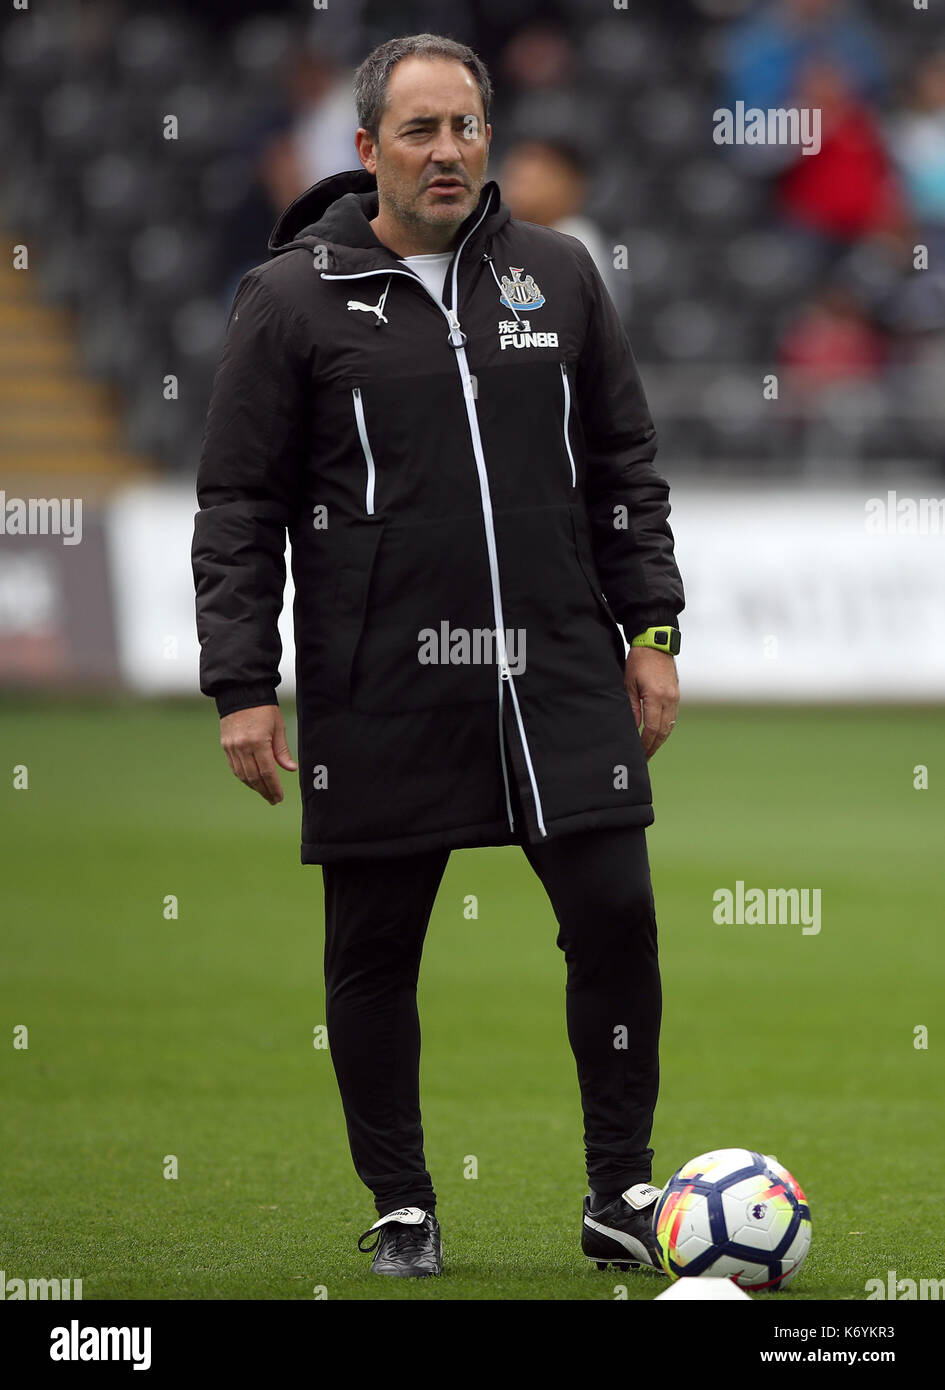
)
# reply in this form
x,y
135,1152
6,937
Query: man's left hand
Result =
x,y
650,678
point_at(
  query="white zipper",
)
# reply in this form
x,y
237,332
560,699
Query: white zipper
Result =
x,y
366,448
458,339
504,672
567,416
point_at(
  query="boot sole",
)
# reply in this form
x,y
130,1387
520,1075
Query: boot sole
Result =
x,y
625,1266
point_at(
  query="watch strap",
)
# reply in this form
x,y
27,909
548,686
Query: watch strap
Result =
x,y
664,638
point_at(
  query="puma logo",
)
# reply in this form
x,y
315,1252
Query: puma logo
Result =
x,y
369,308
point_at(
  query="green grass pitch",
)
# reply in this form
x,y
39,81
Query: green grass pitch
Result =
x,y
194,1037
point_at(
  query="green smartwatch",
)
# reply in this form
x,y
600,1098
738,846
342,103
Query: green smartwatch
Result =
x,y
664,638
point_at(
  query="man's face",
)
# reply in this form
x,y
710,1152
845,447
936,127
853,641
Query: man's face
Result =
x,y
432,148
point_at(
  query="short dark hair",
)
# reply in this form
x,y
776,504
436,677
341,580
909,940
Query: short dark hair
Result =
x,y
372,77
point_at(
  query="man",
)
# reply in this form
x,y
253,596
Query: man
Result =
x,y
441,407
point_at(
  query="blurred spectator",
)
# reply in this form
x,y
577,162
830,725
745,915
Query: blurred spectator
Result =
x,y
835,400
848,189
304,133
538,55
832,340
545,181
319,138
917,140
767,51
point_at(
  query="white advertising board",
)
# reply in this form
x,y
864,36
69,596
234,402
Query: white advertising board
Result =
x,y
792,595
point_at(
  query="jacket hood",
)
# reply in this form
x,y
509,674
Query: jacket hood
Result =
x,y
337,212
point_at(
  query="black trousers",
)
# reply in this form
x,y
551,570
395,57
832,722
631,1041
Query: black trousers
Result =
x,y
376,917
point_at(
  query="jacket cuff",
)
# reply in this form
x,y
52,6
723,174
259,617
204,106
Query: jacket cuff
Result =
x,y
237,697
635,623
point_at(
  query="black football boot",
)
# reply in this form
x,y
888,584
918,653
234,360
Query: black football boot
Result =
x,y
621,1233
406,1245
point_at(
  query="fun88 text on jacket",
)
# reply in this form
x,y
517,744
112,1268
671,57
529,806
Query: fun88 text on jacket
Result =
x,y
469,492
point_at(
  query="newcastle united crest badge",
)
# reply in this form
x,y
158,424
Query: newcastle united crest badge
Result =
x,y
518,293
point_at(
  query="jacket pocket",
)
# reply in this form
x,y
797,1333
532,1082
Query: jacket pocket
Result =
x,y
566,420
425,642
365,449
344,623
585,557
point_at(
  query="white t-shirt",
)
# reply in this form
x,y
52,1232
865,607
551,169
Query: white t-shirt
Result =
x,y
431,269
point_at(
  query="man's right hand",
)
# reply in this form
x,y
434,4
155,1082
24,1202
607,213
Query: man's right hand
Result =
x,y
254,741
